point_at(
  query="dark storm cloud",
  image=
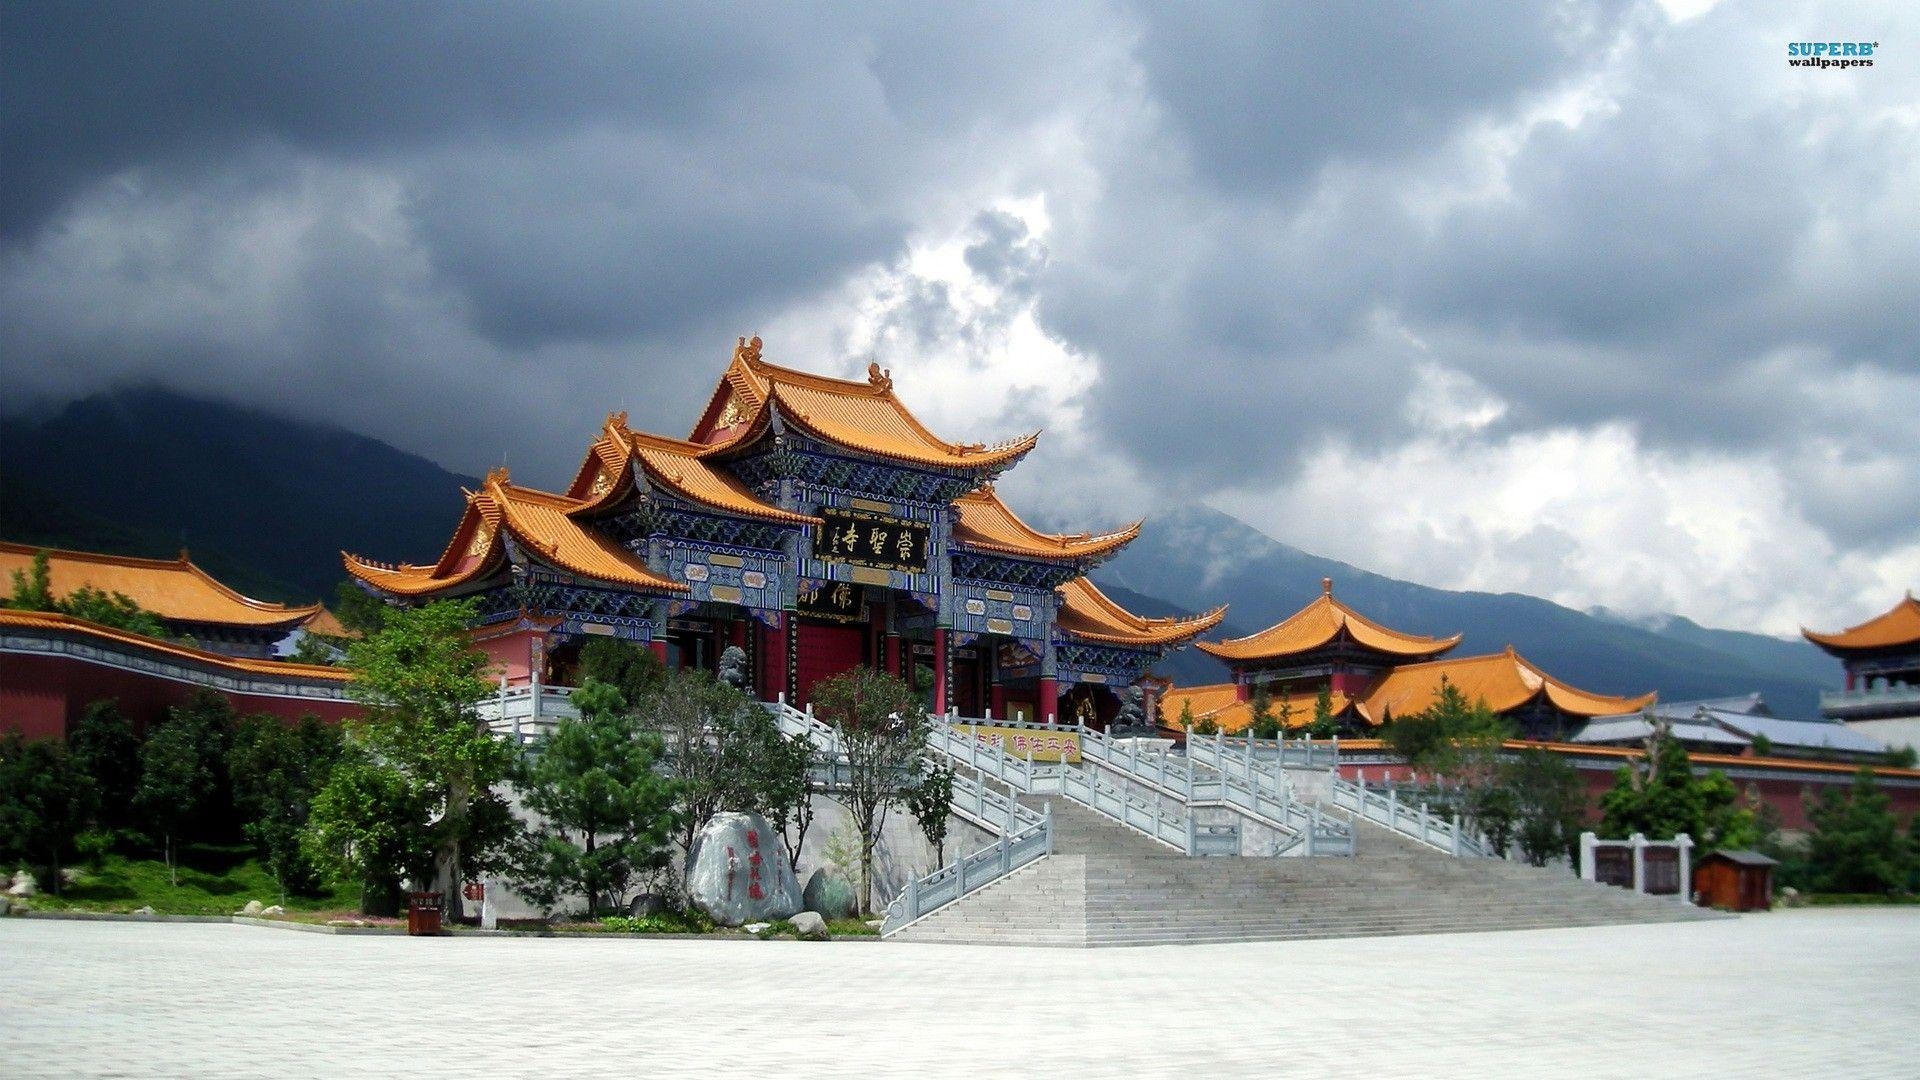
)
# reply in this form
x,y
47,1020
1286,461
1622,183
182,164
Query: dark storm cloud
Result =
x,y
438,222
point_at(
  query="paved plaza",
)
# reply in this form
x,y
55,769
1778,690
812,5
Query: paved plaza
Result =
x,y
1803,993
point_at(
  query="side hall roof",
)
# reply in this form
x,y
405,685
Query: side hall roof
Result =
x,y
174,589
1318,624
543,524
53,620
1088,614
1897,627
985,523
1504,680
864,416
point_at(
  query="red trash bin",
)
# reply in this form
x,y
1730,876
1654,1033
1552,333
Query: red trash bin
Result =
x,y
423,914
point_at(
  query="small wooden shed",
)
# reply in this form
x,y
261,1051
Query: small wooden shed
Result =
x,y
1735,880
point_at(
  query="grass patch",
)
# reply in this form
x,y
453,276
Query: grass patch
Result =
x,y
667,922
213,881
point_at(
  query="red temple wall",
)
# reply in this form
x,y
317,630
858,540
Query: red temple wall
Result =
x,y
41,695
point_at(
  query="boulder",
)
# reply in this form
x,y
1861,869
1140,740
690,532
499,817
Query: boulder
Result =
x,y
273,909
756,928
809,926
646,904
71,876
254,907
23,885
146,910
737,871
830,894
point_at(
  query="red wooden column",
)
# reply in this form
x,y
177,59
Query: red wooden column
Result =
x,y
659,649
1049,703
737,633
772,662
997,699
940,670
893,656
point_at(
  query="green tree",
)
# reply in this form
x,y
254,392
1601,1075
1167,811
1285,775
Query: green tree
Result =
x,y
33,587
176,780
1903,757
1855,843
375,823
357,609
422,683
1186,715
1452,737
116,610
1324,726
104,747
627,666
315,648
779,776
1284,718
605,812
278,770
931,801
713,736
1260,719
1659,797
1550,801
883,731
46,801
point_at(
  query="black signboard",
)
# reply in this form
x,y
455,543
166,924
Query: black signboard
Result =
x,y
872,541
838,601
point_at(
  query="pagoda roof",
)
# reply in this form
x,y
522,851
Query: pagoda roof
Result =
x,y
675,465
543,523
1088,614
173,589
985,523
1899,626
863,416
1221,703
1320,623
1505,681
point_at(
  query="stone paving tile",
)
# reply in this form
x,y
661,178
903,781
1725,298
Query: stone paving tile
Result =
x,y
1805,993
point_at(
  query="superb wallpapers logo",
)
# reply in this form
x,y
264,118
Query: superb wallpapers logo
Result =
x,y
1831,54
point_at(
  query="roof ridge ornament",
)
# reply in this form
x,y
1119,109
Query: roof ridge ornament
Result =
x,y
878,377
617,420
1326,586
498,475
748,349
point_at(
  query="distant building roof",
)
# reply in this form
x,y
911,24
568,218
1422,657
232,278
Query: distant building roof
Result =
x,y
1635,728
1898,626
1743,858
173,589
1317,625
1737,725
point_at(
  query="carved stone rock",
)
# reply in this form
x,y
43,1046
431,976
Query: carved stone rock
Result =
x,y
738,873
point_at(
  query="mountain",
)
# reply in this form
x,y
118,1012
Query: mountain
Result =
x,y
1194,557
266,501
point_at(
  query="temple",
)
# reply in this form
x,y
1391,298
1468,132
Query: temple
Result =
x,y
1882,661
1372,673
191,604
819,526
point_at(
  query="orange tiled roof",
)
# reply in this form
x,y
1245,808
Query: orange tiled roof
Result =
x,y
543,524
986,523
325,622
173,589
1504,680
1221,703
862,416
1320,622
1086,612
53,620
674,464
1899,626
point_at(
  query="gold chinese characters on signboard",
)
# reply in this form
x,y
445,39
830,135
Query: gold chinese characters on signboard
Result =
x,y
872,541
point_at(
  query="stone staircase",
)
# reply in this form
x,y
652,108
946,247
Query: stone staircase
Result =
x,y
1107,885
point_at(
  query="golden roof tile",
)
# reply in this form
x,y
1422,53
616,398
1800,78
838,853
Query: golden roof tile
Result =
x,y
986,523
864,416
173,589
1319,623
1898,627
1505,681
1087,613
